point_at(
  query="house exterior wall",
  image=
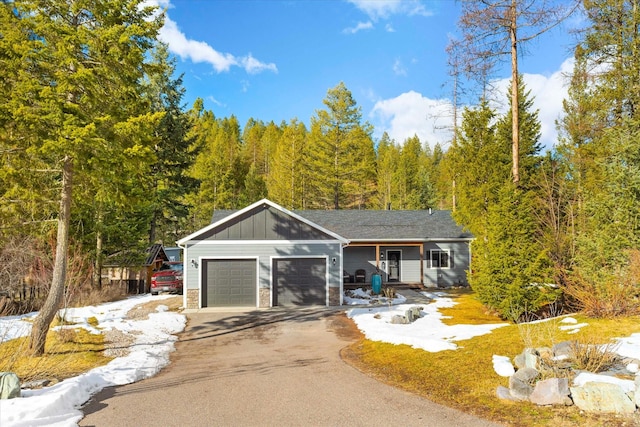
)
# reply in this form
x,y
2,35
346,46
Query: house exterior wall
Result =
x,y
357,257
364,257
455,274
265,252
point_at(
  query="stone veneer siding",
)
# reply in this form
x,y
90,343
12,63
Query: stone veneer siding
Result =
x,y
192,298
334,296
265,298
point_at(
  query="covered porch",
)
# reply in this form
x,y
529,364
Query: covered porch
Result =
x,y
397,263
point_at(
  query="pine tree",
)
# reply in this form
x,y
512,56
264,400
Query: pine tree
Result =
x,y
173,149
388,157
76,101
342,152
288,176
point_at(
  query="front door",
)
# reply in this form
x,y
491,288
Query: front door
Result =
x,y
394,258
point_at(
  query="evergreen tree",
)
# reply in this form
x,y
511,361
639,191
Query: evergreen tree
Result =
x,y
342,150
288,175
76,100
599,148
388,158
173,150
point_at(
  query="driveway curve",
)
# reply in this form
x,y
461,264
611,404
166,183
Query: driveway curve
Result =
x,y
265,368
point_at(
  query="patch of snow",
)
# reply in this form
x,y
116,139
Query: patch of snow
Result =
x,y
59,404
428,332
502,365
586,377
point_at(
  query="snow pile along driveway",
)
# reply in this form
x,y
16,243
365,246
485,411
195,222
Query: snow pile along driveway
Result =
x,y
59,404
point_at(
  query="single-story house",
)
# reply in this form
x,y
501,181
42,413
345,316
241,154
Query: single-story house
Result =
x,y
133,269
265,255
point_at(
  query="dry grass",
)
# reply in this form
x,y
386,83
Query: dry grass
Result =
x,y
465,378
69,352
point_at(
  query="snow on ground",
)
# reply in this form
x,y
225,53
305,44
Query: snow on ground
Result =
x,y
426,333
58,405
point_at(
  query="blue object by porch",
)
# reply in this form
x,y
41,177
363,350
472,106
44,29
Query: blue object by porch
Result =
x,y
376,283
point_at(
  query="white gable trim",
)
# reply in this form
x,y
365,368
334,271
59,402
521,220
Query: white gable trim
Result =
x,y
193,236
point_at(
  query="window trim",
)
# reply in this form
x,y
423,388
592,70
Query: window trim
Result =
x,y
440,251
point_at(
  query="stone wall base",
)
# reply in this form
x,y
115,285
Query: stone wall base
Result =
x,y
193,298
334,296
265,298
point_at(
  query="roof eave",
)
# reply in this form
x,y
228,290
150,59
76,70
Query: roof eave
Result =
x,y
414,240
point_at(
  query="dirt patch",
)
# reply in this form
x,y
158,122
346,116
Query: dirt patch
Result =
x,y
142,311
344,327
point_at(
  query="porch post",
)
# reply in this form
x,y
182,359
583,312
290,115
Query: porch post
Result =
x,y
377,256
422,264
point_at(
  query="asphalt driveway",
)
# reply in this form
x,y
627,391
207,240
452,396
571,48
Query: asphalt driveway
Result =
x,y
265,368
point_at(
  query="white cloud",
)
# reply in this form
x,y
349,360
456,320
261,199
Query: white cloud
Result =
x,y
215,101
398,68
359,27
389,28
377,9
548,92
253,66
412,114
199,51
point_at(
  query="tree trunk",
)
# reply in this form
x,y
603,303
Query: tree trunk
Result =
x,y
56,292
97,267
515,115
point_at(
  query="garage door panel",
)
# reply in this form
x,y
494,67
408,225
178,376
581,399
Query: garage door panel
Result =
x,y
229,282
300,281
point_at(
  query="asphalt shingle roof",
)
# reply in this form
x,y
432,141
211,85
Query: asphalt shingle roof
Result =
x,y
383,225
387,224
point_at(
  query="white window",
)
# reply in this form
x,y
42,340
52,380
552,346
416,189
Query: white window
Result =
x,y
440,259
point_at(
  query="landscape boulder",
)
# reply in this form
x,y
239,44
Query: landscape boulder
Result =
x,y
553,391
9,385
399,320
602,397
505,394
520,383
529,358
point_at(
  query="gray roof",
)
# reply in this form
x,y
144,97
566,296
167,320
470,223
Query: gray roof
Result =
x,y
381,225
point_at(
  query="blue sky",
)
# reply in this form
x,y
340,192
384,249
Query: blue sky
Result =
x,y
275,60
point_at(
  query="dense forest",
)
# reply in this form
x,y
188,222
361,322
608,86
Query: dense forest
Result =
x,y
101,156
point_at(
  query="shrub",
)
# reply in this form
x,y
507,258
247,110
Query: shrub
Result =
x,y
609,294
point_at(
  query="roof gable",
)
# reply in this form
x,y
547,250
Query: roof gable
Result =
x,y
264,220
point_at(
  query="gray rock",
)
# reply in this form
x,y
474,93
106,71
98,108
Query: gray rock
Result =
x,y
554,391
9,385
520,383
526,375
563,349
527,359
503,393
602,397
399,320
637,392
409,315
